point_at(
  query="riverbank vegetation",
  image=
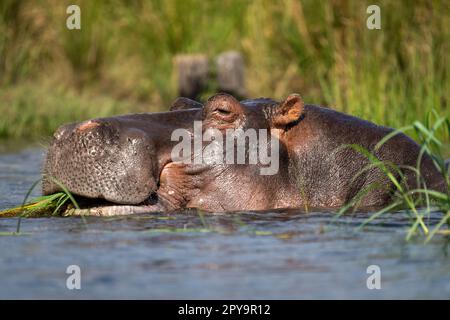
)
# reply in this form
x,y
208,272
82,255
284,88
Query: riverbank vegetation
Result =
x,y
418,201
121,59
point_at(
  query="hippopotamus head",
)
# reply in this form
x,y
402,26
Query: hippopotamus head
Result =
x,y
224,155
132,160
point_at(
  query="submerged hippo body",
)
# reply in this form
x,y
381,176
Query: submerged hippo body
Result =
x,y
125,163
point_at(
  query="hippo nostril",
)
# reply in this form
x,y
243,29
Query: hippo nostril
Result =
x,y
132,140
87,125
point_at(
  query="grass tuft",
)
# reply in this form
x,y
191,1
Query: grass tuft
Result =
x,y
50,205
418,201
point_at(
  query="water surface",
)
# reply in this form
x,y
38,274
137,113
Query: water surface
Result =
x,y
274,255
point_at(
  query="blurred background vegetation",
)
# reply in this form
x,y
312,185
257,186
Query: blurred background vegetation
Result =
x,y
121,60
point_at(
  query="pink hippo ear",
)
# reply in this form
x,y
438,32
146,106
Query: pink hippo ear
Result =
x,y
288,111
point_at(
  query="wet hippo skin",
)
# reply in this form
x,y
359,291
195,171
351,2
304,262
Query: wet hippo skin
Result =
x,y
124,163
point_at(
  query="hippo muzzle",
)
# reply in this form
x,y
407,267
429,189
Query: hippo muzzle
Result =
x,y
102,159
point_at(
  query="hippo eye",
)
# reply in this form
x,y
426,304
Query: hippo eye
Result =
x,y
223,111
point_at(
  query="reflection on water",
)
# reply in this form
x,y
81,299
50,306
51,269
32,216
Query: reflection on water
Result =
x,y
271,255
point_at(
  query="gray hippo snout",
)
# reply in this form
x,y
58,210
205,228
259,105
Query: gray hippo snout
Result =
x,y
101,159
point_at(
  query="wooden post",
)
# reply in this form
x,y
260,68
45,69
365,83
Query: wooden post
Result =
x,y
231,73
192,72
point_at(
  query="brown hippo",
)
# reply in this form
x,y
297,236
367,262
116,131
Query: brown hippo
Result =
x,y
126,163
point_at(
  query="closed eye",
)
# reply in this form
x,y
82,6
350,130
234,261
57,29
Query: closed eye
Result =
x,y
223,111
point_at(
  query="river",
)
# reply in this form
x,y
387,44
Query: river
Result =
x,y
271,255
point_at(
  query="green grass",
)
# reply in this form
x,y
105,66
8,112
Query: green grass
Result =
x,y
121,59
33,111
44,205
418,200
54,205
